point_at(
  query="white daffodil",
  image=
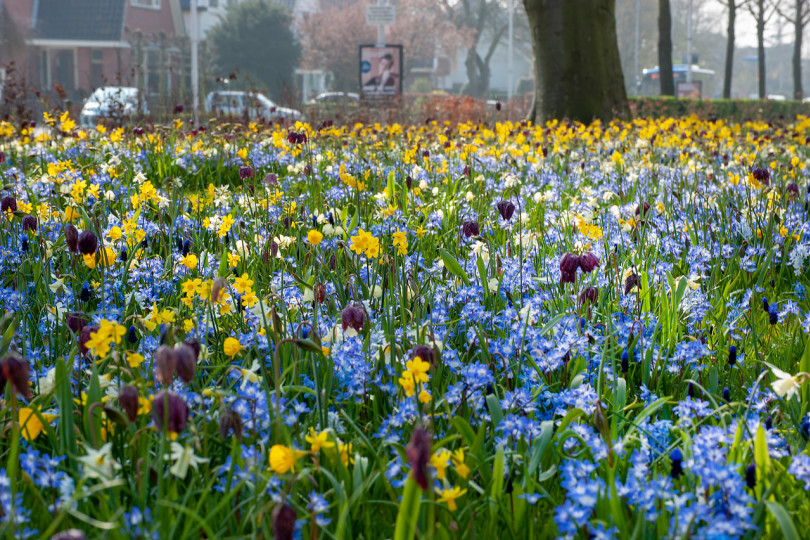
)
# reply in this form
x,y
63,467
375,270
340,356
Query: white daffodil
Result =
x,y
100,463
183,457
786,385
57,285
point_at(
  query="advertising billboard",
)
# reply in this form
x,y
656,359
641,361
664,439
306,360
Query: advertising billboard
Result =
x,y
380,71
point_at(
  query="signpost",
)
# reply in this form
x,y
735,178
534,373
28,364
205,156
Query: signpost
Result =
x,y
381,15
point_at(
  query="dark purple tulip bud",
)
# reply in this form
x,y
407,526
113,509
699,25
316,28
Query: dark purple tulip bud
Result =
x,y
88,243
765,305
230,421
284,518
70,534
732,355
15,370
85,337
271,179
569,263
138,131
29,223
408,182
466,171
568,277
677,463
76,321
793,189
506,209
643,208
8,204
128,401
590,294
690,390
274,249
497,105
175,417
186,362
625,361
768,423
751,476
72,238
588,261
470,228
179,108
332,261
631,282
319,293
761,175
418,452
195,347
245,172
726,395
424,352
165,364
353,316
2,156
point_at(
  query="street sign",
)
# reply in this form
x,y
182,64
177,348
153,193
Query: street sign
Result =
x,y
690,89
381,15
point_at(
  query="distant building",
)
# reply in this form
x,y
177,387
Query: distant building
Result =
x,y
73,46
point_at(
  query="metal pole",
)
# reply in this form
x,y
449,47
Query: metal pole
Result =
x,y
635,56
195,68
689,45
381,28
511,62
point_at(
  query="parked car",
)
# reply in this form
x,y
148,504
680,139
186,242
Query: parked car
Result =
x,y
111,103
251,104
335,98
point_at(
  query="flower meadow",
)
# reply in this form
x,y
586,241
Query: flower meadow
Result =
x,y
385,331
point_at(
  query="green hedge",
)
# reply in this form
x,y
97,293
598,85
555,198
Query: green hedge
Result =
x,y
728,109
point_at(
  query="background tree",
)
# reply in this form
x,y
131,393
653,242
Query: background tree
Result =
x,y
762,12
479,19
731,6
799,16
577,70
255,37
665,48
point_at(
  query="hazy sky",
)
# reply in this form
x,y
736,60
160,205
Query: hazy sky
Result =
x,y
746,34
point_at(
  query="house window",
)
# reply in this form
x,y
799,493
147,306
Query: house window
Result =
x,y
96,68
213,3
149,4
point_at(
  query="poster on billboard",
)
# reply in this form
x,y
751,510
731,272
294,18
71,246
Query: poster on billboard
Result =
x,y
380,71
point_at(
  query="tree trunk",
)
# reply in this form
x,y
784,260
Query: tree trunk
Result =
x,y
761,48
798,92
665,49
732,17
477,74
577,70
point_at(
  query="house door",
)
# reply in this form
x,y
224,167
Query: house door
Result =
x,y
63,69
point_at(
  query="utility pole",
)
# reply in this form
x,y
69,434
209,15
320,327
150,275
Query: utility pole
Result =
x,y
635,56
689,44
195,67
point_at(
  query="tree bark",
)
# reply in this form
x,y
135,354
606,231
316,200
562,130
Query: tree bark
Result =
x,y
761,47
732,18
798,27
665,49
577,70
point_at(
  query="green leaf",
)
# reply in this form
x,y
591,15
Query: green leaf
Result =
x,y
761,459
453,266
308,345
497,482
494,410
539,446
408,511
778,511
